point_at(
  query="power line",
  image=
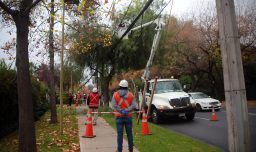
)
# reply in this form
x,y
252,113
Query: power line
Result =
x,y
161,11
166,33
132,24
126,12
123,16
156,16
112,4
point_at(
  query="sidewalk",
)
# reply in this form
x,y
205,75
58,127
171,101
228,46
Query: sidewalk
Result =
x,y
105,140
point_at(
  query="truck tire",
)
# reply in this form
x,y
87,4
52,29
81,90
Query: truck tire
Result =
x,y
198,107
155,116
190,116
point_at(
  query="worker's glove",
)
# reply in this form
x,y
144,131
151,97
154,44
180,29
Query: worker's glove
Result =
x,y
124,112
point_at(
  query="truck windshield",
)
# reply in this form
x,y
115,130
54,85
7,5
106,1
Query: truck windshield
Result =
x,y
168,86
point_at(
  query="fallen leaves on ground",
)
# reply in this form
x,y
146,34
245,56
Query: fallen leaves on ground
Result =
x,y
49,136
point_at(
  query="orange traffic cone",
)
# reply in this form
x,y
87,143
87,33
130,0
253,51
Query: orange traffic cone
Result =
x,y
144,129
89,129
214,118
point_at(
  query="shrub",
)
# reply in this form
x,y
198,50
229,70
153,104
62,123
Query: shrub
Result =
x,y
9,101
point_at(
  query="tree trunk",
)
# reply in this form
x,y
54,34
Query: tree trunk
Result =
x,y
27,140
51,53
106,97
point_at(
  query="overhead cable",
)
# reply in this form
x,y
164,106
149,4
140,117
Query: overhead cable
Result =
x,y
158,15
132,24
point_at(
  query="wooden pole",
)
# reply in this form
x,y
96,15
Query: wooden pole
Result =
x,y
235,92
143,99
71,83
61,70
151,97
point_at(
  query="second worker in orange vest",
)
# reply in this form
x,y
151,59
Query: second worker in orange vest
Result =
x,y
123,103
93,103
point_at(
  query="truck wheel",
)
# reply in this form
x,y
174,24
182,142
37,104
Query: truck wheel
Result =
x,y
198,107
155,116
190,116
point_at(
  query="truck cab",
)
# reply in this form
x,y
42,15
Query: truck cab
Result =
x,y
169,99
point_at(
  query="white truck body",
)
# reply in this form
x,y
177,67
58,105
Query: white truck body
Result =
x,y
168,100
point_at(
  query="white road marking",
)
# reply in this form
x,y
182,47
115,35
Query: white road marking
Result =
x,y
202,118
252,114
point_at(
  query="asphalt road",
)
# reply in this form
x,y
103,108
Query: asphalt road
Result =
x,y
212,132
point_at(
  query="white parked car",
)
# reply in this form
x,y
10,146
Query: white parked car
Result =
x,y
204,102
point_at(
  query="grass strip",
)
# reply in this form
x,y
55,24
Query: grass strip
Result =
x,y
48,138
163,140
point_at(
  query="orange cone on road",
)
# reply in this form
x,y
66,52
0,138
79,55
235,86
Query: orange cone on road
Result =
x,y
144,129
214,117
89,129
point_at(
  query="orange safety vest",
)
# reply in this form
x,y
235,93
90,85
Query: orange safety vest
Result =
x,y
94,100
123,103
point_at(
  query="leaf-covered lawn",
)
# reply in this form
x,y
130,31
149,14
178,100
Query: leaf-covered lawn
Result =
x,y
48,135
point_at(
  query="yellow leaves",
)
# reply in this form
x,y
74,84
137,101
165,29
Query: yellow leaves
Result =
x,y
15,141
54,133
215,52
62,2
81,6
62,20
107,40
92,12
48,135
74,148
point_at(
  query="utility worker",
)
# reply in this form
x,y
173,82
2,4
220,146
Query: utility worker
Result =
x,y
70,98
93,103
78,97
123,103
84,99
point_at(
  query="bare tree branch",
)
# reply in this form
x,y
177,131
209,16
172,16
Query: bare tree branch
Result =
x,y
6,8
45,5
34,31
96,70
31,6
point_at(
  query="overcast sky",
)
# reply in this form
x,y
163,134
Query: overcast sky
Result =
x,y
179,8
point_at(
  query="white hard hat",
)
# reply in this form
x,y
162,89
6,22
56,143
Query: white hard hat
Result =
x,y
123,83
94,90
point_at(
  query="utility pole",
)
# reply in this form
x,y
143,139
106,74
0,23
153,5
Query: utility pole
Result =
x,y
61,58
71,83
235,92
61,69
